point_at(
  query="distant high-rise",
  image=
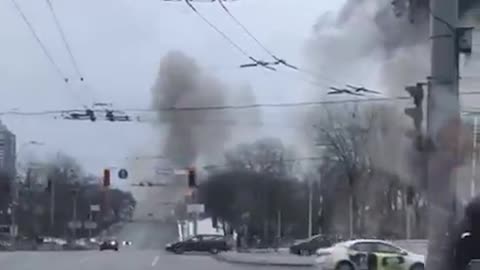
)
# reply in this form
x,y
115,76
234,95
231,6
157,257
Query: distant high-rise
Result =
x,y
7,151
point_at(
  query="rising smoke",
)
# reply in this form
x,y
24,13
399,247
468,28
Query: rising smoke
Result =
x,y
367,36
370,43
191,135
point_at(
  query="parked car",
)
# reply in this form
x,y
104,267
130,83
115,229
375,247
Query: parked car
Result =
x,y
306,247
202,243
363,253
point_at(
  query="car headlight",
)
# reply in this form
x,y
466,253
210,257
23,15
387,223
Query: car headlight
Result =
x,y
168,245
113,242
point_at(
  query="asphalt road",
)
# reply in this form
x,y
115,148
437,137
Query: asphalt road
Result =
x,y
111,260
148,237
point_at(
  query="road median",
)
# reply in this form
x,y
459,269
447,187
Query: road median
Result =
x,y
266,259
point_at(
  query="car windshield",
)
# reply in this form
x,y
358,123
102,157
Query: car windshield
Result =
x,y
236,127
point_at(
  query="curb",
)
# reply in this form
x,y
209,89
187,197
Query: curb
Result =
x,y
221,258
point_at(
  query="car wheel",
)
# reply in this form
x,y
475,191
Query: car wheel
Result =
x,y
417,266
179,250
344,266
214,251
116,249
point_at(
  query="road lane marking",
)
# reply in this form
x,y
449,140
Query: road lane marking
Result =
x,y
84,259
155,260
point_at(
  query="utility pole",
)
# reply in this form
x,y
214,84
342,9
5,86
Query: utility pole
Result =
x,y
74,212
12,211
474,158
52,204
443,132
310,214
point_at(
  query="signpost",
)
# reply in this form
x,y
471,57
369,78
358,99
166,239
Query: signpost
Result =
x,y
90,225
195,209
180,172
73,225
95,208
123,174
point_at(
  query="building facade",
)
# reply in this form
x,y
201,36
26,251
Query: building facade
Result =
x,y
7,151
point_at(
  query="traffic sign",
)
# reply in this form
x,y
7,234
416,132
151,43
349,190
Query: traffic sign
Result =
x,y
74,224
122,174
91,225
163,171
180,172
94,207
196,208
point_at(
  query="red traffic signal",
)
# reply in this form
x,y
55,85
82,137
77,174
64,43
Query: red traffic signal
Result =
x,y
192,182
106,178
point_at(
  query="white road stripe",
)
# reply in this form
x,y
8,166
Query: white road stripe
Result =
x,y
84,259
155,260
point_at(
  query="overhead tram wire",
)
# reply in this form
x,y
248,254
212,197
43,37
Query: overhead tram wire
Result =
x,y
39,41
231,107
269,52
72,57
225,36
245,29
64,39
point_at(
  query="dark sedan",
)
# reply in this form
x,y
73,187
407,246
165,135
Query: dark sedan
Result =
x,y
109,245
201,243
308,246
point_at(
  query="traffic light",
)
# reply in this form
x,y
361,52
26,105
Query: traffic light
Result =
x,y
416,113
192,182
106,178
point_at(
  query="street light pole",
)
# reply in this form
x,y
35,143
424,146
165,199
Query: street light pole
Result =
x,y
474,158
74,213
310,214
14,191
443,128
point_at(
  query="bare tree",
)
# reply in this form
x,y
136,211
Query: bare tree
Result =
x,y
65,176
344,139
364,151
267,155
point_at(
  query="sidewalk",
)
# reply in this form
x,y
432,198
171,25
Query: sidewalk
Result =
x,y
266,259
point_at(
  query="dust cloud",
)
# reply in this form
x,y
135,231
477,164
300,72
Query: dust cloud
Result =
x,y
199,134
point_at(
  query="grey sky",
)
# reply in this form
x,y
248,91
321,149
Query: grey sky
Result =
x,y
118,45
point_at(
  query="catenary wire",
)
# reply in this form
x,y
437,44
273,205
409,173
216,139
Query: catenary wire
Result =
x,y
39,41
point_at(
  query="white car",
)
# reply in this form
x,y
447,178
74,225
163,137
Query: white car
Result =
x,y
353,255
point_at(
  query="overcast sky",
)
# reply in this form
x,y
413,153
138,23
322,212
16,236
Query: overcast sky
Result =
x,y
118,45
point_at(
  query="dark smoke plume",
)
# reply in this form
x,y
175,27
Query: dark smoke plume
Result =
x,y
371,42
181,82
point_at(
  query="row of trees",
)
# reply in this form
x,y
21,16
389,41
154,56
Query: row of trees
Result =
x,y
358,175
36,215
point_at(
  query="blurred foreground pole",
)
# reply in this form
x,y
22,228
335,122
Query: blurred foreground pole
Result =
x,y
444,124
310,214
